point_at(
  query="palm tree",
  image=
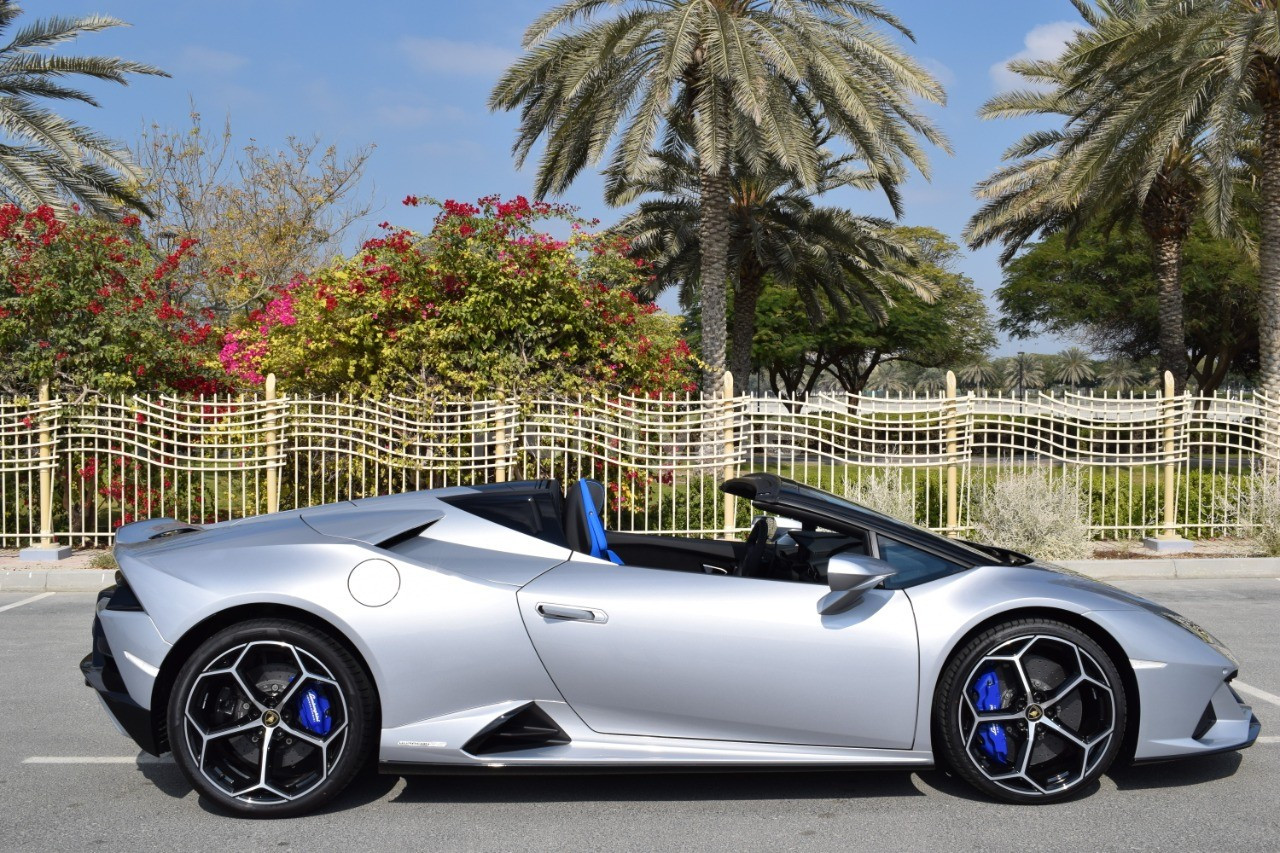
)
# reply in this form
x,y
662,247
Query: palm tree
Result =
x,y
979,373
1022,373
1204,72
891,378
931,380
46,159
777,231
1119,373
1073,367
749,78
1096,168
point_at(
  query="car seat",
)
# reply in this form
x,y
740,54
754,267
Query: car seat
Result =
x,y
584,504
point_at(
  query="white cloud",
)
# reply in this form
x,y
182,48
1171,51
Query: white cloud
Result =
x,y
938,69
442,56
206,60
1043,42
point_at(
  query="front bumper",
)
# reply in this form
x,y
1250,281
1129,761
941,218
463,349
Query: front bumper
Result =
x,y
111,680
1226,725
131,718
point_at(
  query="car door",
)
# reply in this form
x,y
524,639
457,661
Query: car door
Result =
x,y
639,651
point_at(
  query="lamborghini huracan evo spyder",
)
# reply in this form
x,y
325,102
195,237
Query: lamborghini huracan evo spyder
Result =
x,y
502,628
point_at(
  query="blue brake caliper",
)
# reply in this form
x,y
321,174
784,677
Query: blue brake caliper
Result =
x,y
313,711
991,737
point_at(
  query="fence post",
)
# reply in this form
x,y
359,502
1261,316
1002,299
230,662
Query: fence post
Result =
x,y
1169,540
949,415
46,548
730,471
273,469
500,444
1170,496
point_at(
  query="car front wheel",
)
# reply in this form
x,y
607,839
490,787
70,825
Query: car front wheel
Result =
x,y
1030,711
271,718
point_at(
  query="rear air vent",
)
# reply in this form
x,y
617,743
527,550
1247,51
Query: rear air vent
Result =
x,y
527,727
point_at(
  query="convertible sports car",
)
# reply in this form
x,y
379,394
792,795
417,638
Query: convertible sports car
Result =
x,y
502,628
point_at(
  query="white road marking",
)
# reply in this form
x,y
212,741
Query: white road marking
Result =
x,y
1256,693
25,601
1269,739
96,759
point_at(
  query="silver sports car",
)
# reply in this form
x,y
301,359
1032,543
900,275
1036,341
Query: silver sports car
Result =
x,y
502,628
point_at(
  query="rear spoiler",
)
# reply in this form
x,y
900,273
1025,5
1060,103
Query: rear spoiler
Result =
x,y
153,528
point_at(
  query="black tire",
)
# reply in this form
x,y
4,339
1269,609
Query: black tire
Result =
x,y
1038,748
273,700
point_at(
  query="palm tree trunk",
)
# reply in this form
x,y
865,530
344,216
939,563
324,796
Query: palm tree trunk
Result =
x,y
1173,336
745,298
1269,253
714,237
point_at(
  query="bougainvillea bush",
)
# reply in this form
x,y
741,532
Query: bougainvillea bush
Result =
x,y
487,303
90,306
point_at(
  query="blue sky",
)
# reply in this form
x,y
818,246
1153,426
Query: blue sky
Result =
x,y
413,78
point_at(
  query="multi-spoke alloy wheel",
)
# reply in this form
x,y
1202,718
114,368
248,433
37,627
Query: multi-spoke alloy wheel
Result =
x,y
270,717
1030,711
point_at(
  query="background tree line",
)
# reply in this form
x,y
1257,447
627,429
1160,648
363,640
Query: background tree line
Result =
x,y
1145,220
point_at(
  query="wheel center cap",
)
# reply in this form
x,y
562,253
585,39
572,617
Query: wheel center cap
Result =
x,y
270,718
1034,712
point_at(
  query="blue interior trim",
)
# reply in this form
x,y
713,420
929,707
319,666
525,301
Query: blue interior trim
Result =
x,y
595,527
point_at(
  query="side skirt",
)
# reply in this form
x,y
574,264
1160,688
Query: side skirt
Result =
x,y
405,768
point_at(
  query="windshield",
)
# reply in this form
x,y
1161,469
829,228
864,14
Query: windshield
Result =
x,y
859,514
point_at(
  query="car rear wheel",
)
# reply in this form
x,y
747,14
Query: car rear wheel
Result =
x,y
1031,711
271,718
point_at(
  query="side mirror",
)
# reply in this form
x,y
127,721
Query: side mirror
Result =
x,y
849,576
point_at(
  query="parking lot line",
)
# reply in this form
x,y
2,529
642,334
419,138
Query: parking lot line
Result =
x,y
1269,739
25,601
96,759
1256,693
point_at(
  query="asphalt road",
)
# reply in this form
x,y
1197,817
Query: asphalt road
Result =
x,y
136,804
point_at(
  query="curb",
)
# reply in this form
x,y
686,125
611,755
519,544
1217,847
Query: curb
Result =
x,y
1199,568
1206,568
55,580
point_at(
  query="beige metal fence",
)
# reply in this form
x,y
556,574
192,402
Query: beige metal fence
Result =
x,y
1146,464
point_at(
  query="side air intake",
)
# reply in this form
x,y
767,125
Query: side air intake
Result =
x,y
526,727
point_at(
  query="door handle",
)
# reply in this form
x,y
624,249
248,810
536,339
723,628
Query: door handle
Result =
x,y
571,613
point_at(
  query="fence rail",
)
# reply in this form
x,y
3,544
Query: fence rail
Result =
x,y
1147,465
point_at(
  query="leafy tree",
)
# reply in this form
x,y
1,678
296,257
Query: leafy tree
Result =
x,y
951,329
777,231
1073,366
1188,72
1102,288
486,303
90,306
45,159
749,80
262,216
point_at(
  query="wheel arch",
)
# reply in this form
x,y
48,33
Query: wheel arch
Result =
x,y
214,623
1081,623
